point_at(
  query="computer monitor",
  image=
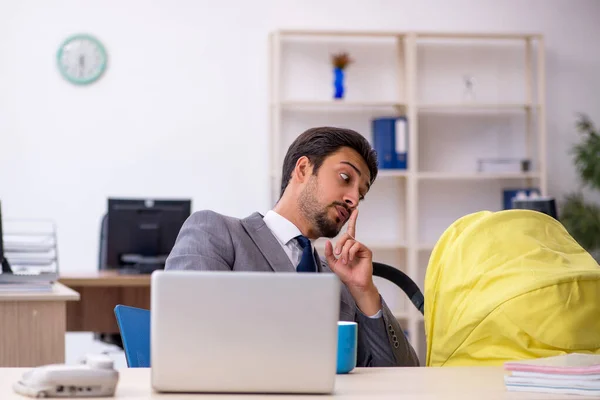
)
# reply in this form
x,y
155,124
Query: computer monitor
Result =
x,y
142,232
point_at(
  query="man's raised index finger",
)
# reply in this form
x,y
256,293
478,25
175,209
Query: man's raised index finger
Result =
x,y
352,223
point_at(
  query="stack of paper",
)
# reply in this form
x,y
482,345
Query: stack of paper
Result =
x,y
23,282
30,247
568,374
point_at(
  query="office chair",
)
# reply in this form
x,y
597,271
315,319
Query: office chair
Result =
x,y
401,280
102,250
134,325
108,338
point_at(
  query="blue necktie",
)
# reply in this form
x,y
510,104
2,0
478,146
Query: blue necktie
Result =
x,y
307,262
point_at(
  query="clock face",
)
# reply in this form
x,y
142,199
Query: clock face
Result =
x,y
81,59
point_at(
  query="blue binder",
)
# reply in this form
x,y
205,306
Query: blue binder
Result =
x,y
390,141
134,325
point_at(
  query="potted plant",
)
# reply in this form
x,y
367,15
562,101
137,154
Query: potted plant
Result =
x,y
582,218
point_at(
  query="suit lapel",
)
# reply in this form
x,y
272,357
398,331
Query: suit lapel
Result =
x,y
266,242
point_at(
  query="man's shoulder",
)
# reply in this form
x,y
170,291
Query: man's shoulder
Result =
x,y
211,217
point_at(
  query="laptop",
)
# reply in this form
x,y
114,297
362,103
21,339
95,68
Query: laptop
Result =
x,y
244,332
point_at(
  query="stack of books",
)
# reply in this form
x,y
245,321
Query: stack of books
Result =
x,y
566,374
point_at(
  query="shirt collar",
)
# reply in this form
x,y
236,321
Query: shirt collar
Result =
x,y
282,228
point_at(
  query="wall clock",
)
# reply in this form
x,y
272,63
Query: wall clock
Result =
x,y
81,59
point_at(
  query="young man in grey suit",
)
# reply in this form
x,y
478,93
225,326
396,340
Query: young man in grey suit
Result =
x,y
326,173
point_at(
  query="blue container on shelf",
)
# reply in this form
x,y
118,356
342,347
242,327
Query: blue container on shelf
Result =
x,y
338,83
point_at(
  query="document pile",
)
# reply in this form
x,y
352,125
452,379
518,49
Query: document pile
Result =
x,y
28,253
566,374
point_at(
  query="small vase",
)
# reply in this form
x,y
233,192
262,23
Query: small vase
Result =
x,y
338,83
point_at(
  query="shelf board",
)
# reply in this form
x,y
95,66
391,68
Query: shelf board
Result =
x,y
476,35
423,108
441,176
330,33
337,105
474,107
419,35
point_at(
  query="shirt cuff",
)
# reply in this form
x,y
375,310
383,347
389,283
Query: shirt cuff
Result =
x,y
376,315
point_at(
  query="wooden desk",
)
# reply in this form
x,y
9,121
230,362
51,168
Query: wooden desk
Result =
x,y
464,383
33,326
100,292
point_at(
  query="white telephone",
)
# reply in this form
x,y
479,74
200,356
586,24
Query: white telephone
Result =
x,y
95,377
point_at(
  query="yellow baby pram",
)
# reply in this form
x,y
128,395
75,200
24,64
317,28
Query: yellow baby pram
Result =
x,y
509,285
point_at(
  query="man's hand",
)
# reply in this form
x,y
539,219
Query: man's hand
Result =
x,y
354,267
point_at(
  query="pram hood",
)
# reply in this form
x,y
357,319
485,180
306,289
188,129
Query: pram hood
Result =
x,y
509,285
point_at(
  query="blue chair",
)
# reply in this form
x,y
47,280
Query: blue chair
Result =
x,y
134,326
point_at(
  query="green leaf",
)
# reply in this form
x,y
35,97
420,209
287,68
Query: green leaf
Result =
x,y
587,153
582,221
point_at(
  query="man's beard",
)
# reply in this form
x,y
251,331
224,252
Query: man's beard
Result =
x,y
311,210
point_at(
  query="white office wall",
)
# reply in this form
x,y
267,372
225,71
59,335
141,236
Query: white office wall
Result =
x,y
182,110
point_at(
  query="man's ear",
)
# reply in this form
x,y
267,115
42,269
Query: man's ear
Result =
x,y
302,170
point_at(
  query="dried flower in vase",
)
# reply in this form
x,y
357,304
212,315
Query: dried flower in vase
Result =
x,y
341,60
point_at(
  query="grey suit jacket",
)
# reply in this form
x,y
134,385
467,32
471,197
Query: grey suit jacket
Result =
x,y
213,242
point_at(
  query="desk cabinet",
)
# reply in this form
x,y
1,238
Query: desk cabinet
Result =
x,y
33,326
100,292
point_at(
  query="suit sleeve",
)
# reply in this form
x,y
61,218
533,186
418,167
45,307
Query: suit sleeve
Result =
x,y
382,343
203,243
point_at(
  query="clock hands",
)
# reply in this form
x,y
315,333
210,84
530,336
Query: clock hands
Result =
x,y
81,64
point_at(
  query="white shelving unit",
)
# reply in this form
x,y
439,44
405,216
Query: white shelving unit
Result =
x,y
419,75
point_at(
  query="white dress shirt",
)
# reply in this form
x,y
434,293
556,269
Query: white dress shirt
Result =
x,y
285,232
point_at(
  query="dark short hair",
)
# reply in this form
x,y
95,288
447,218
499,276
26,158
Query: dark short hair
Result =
x,y
318,143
